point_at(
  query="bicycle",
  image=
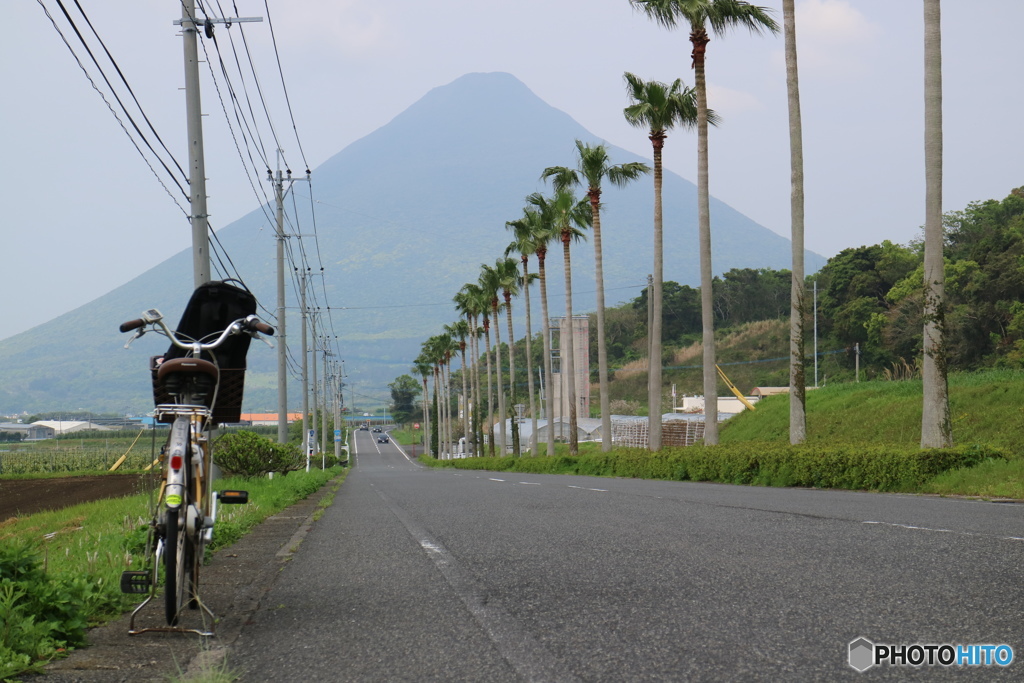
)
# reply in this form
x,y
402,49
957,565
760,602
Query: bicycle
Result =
x,y
186,388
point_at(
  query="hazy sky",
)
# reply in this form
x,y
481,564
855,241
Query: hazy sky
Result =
x,y
84,214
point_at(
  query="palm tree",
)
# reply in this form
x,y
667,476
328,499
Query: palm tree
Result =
x,y
507,270
423,367
460,330
525,230
658,108
542,225
568,216
594,166
936,429
797,377
432,355
468,304
490,282
719,16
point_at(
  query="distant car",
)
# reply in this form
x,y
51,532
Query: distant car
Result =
x,y
383,438
363,428
377,429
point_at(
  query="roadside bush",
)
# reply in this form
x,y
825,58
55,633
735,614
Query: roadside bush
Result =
x,y
248,454
841,466
39,613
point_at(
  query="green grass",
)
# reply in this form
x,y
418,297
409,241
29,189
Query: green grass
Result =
x,y
407,437
986,408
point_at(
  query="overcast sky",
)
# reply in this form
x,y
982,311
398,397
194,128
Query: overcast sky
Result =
x,y
84,214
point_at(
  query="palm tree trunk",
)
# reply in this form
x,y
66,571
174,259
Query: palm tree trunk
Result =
x,y
797,378
654,361
477,394
547,350
448,406
569,350
426,416
489,423
512,372
442,445
700,39
500,384
465,402
529,363
936,429
602,349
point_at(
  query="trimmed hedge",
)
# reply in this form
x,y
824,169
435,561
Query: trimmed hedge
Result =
x,y
842,466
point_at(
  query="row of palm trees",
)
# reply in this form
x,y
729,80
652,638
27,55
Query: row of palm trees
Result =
x,y
659,107
718,16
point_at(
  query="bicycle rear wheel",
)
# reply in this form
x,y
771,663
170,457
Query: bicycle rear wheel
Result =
x,y
179,565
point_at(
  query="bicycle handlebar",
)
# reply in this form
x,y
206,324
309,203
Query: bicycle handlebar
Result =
x,y
248,325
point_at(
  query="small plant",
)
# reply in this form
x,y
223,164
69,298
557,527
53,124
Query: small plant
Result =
x,y
901,371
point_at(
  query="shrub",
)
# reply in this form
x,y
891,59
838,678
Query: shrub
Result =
x,y
251,455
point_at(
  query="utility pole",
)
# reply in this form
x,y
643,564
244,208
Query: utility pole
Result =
x,y
282,353
316,402
305,373
199,215
196,163
323,413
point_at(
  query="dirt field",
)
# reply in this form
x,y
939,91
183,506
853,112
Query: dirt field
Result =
x,y
20,497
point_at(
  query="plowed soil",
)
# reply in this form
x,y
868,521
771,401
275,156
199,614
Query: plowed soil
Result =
x,y
20,497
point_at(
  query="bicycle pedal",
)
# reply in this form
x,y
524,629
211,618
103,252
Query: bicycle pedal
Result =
x,y
233,497
135,582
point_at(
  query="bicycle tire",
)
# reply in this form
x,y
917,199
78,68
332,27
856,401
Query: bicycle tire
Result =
x,y
173,537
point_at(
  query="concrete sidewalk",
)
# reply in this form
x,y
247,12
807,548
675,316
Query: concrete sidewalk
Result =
x,y
232,586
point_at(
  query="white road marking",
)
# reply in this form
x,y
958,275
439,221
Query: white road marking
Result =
x,y
493,479
943,531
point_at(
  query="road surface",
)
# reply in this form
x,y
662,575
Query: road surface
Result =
x,y
449,575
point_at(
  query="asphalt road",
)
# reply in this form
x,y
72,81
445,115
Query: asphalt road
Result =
x,y
445,575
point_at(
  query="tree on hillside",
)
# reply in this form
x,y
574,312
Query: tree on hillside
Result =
x,y
936,427
593,165
719,16
658,108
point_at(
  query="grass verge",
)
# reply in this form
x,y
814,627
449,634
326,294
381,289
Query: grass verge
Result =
x,y
60,570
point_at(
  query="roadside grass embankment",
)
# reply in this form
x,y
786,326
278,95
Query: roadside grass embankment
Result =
x,y
60,571
860,436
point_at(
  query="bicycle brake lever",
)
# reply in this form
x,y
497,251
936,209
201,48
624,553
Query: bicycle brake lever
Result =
x,y
138,333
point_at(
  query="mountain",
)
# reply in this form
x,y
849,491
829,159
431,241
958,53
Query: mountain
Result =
x,y
404,217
